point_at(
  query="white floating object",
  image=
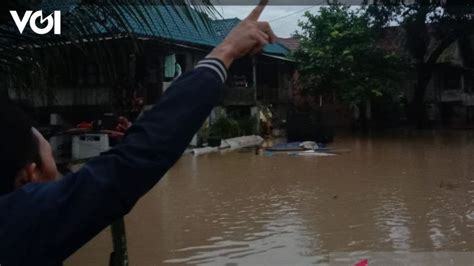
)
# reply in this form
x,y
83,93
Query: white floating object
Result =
x,y
231,145
206,150
242,142
309,145
314,153
89,145
470,215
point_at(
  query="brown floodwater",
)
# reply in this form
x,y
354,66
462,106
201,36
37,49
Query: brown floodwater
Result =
x,y
394,193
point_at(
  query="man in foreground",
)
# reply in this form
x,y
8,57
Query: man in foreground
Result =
x,y
42,221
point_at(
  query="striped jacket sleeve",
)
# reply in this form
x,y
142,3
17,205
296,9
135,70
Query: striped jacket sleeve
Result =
x,y
48,222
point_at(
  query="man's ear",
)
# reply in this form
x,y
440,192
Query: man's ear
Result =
x,y
29,174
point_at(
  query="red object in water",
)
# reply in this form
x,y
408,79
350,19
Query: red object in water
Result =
x,y
84,125
362,263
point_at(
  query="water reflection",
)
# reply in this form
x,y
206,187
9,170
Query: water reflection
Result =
x,y
400,192
391,219
268,228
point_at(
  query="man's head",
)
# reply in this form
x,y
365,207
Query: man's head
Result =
x,y
25,156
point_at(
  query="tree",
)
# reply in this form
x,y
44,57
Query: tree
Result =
x,y
450,20
340,54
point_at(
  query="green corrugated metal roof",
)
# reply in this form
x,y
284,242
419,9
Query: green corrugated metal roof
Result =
x,y
166,22
224,26
170,23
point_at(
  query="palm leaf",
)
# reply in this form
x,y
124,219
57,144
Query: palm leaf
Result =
x,y
89,27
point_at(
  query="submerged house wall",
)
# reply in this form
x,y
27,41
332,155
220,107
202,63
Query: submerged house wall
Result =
x,y
259,87
450,93
107,80
86,83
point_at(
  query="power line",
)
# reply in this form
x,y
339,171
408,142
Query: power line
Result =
x,y
289,15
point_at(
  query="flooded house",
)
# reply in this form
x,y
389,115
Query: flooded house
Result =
x,y
120,71
451,89
449,95
259,86
110,68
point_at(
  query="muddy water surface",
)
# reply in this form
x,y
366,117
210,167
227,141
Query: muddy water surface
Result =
x,y
395,192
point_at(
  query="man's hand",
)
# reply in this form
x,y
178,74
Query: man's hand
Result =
x,y
248,37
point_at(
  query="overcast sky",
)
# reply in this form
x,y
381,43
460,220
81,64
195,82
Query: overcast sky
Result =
x,y
283,19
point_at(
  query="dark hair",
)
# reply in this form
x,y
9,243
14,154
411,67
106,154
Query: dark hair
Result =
x,y
18,144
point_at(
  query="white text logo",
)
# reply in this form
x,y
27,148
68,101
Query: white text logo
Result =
x,y
51,22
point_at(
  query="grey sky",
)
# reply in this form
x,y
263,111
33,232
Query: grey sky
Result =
x,y
283,19
286,17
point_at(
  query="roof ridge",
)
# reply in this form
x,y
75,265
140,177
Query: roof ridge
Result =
x,y
225,19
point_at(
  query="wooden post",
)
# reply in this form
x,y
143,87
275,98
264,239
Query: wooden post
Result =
x,y
254,79
119,256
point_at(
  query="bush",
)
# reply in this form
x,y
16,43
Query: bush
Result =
x,y
224,128
248,126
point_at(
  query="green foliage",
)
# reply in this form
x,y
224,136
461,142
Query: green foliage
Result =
x,y
340,53
448,21
224,128
248,126
228,127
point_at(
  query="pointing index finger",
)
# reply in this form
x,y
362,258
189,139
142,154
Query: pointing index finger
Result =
x,y
255,14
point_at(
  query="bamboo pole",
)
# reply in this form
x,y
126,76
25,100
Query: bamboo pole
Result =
x,y
119,256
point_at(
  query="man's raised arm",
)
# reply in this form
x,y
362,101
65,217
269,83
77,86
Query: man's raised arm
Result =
x,y
64,215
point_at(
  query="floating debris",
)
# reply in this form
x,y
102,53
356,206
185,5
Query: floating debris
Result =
x,y
313,153
231,145
205,150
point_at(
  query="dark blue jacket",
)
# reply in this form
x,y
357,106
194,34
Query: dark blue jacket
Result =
x,y
43,224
